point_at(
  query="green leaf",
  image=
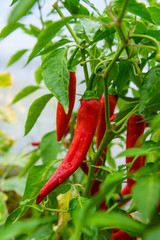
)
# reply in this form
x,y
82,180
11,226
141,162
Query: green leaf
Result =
x,y
156,122
75,204
101,34
152,234
9,29
35,181
16,56
13,2
15,215
54,46
38,75
154,33
22,227
154,11
150,91
20,10
43,233
110,159
132,152
126,74
83,10
13,184
56,75
91,5
116,220
72,6
148,187
34,157
35,110
46,36
24,92
95,52
49,147
137,8
3,209
90,27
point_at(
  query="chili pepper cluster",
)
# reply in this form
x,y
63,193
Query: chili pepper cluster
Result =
x,y
91,120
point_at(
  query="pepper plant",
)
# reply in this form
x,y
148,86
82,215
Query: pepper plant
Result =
x,y
89,193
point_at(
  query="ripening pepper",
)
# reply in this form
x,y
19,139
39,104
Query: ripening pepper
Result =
x,y
120,235
101,127
87,119
62,118
135,129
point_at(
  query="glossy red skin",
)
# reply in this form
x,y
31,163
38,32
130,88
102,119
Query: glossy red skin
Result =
x,y
87,119
135,130
120,235
101,127
84,166
62,119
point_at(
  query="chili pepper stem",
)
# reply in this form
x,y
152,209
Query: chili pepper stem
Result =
x,y
107,108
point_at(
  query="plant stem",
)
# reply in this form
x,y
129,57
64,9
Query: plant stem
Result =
x,y
55,210
118,26
41,17
55,5
106,73
105,141
123,10
84,65
128,99
143,46
125,119
109,135
155,42
107,108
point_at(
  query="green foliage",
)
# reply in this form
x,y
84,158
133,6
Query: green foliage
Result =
x,y
16,56
35,110
49,147
117,49
148,187
24,93
20,10
56,76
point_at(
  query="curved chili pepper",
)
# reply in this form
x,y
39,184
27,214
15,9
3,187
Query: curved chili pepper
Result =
x,y
120,235
135,129
101,128
87,119
62,118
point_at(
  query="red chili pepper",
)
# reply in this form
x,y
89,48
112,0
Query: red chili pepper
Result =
x,y
87,119
101,128
36,143
85,168
120,235
62,119
135,130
